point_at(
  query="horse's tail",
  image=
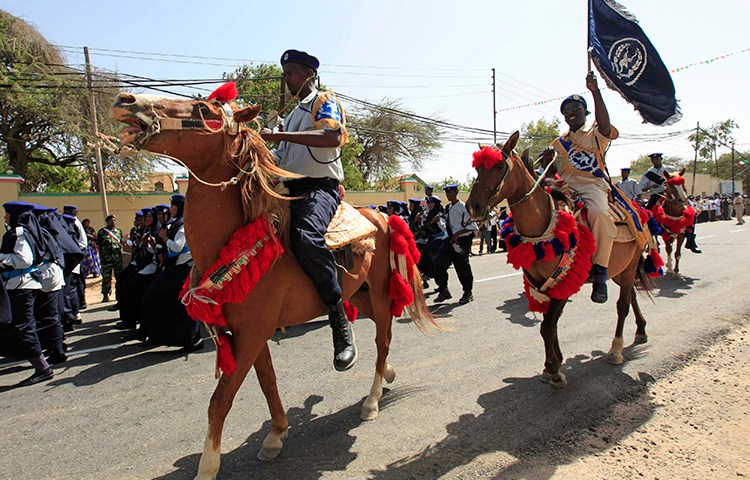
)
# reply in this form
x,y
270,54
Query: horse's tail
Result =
x,y
645,272
405,287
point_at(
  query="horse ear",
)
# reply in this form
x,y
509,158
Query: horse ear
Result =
x,y
527,163
682,172
481,145
246,114
512,141
667,175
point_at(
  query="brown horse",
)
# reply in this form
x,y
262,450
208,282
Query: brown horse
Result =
x,y
206,137
673,218
514,180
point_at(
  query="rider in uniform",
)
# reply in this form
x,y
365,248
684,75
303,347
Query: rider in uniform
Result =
x,y
654,182
580,163
310,145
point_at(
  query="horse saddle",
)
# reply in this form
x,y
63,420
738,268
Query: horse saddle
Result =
x,y
349,227
627,224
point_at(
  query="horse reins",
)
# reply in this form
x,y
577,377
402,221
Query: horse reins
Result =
x,y
502,180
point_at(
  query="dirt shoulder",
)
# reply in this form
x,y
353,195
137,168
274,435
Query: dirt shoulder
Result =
x,y
698,428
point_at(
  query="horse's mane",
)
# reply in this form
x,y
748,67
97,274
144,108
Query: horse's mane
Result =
x,y
258,179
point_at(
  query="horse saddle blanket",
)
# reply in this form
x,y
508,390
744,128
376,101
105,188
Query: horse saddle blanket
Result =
x,y
348,227
627,231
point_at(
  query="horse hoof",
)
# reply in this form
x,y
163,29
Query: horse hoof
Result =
x,y
272,446
369,412
615,358
641,338
390,374
557,382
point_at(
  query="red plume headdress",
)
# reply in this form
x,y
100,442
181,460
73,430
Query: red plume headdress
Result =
x,y
487,157
224,93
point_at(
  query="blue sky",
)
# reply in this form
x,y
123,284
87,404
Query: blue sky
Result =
x,y
435,56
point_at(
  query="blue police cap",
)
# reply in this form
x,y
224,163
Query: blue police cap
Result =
x,y
625,168
430,187
450,186
573,98
371,206
146,210
40,209
17,207
162,206
655,154
70,208
415,200
178,198
393,203
139,213
434,199
303,58
69,218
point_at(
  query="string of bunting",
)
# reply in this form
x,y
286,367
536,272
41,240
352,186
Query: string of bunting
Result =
x,y
674,70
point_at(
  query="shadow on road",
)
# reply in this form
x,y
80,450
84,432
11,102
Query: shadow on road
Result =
x,y
670,286
316,444
517,310
526,419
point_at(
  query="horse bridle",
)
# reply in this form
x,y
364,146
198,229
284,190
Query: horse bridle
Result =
x,y
499,186
156,124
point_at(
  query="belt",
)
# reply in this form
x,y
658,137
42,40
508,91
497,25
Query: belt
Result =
x,y
310,183
172,254
18,272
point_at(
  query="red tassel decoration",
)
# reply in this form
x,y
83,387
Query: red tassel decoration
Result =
x,y
351,311
487,157
224,93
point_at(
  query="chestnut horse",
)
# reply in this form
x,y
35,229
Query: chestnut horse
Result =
x,y
207,138
673,217
514,180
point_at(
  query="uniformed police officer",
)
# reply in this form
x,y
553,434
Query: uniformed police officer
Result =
x,y
310,145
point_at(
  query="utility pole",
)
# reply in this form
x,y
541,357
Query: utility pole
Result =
x,y
494,111
695,161
733,190
95,125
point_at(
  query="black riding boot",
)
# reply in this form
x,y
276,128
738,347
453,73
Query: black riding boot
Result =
x,y
599,292
690,243
344,350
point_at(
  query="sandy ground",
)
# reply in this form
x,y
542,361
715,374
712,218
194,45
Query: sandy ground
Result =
x,y
698,425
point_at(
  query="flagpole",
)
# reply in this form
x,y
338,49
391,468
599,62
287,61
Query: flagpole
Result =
x,y
588,36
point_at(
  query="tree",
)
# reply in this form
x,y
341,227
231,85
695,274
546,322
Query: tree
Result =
x,y
538,136
389,136
708,140
44,115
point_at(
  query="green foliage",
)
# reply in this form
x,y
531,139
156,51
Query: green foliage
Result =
x,y
390,139
260,84
538,136
45,112
353,178
711,138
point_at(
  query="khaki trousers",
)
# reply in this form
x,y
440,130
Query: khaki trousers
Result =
x,y
595,195
740,211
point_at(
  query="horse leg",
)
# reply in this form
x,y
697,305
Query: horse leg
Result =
x,y
614,356
668,248
553,355
381,314
640,321
678,253
274,441
221,403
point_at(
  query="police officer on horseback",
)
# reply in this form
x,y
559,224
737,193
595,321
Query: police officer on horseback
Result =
x,y
310,146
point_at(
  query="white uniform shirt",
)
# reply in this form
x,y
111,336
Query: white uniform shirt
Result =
x,y
53,278
653,187
301,159
630,188
82,242
178,244
459,218
22,257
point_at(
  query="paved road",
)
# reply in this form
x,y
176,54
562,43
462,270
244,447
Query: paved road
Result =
x,y
466,403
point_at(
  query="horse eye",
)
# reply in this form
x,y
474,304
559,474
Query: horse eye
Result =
x,y
203,109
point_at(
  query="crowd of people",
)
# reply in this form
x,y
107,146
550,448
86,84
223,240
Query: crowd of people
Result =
x,y
45,257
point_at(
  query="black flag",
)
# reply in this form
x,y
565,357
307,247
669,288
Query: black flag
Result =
x,y
630,64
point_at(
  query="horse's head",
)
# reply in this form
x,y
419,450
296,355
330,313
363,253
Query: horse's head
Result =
x,y
675,195
493,165
193,131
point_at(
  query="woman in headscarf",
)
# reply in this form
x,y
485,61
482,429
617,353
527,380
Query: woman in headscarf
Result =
x,y
21,252
91,264
434,231
144,268
47,303
164,318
